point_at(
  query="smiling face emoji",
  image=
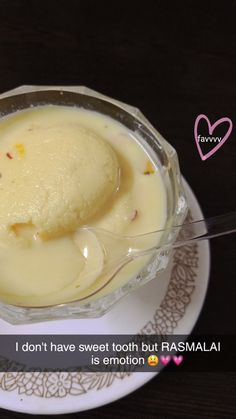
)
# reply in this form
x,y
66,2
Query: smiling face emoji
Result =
x,y
152,360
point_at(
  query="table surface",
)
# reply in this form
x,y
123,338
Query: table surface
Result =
x,y
174,61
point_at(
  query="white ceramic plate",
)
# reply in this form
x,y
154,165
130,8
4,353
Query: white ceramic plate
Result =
x,y
169,304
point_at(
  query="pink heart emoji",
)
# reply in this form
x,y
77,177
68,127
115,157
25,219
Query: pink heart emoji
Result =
x,y
211,129
165,359
177,359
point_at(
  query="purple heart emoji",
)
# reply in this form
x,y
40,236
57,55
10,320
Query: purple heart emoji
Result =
x,y
177,359
211,129
165,359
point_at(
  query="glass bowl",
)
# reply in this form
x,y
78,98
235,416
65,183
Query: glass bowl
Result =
x,y
158,149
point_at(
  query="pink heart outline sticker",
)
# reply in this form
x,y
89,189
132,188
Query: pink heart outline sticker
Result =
x,y
165,359
211,129
177,359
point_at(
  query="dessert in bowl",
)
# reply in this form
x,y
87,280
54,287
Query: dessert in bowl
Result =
x,y
70,159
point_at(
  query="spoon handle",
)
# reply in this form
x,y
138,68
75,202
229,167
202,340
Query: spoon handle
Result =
x,y
195,231
204,229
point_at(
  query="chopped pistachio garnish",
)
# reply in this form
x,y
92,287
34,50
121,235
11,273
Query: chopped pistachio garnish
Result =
x,y
149,169
134,214
9,155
